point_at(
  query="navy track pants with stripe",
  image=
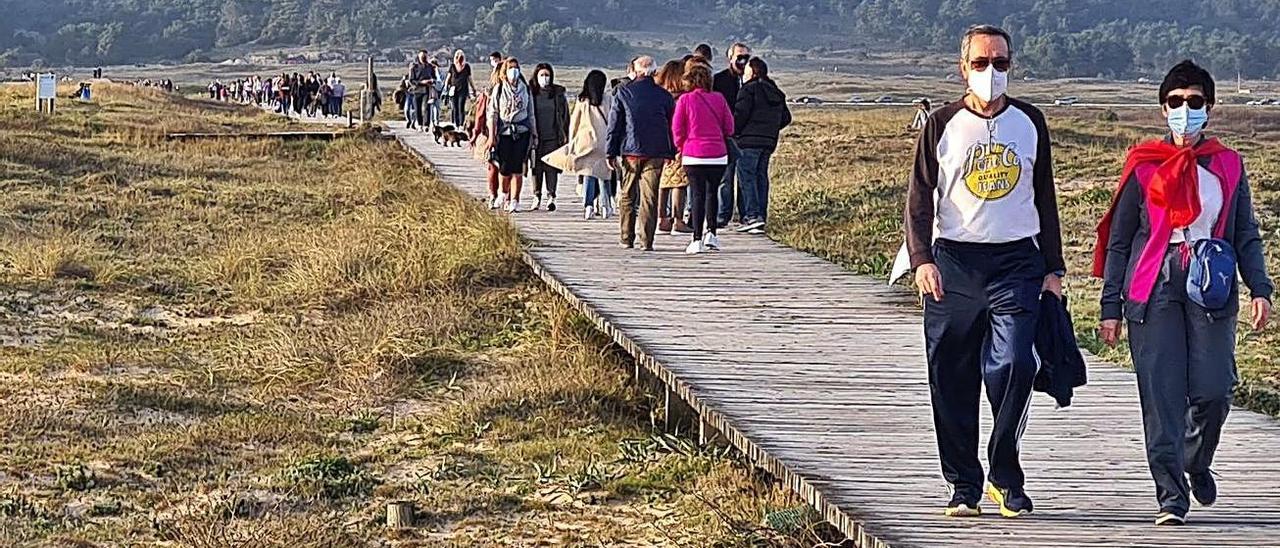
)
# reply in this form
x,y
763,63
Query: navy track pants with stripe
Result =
x,y
983,332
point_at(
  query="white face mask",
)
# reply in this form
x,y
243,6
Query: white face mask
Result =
x,y
544,80
988,85
513,74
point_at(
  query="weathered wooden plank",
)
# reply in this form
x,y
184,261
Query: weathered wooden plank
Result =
x,y
817,375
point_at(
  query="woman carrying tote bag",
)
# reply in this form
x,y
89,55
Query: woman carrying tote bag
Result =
x,y
584,154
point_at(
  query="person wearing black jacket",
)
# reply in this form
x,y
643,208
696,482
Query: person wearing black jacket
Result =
x,y
422,78
551,114
759,115
727,83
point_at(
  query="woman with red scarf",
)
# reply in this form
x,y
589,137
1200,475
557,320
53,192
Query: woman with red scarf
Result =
x,y
1176,192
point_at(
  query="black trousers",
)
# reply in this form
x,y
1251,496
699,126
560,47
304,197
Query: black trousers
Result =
x,y
1185,361
704,197
459,111
983,332
545,176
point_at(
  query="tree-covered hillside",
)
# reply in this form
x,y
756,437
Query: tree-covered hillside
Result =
x,y
1054,37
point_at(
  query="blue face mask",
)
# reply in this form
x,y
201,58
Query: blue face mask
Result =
x,y
1184,120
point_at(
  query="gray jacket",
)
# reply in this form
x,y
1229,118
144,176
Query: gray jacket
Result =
x,y
1131,229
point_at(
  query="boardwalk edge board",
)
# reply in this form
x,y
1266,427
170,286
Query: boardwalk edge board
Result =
x,y
848,525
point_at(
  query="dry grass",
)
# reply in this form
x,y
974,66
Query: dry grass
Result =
x,y
261,343
846,203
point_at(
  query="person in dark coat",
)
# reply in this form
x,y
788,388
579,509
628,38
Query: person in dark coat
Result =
x,y
422,79
727,83
760,114
1176,194
551,114
640,144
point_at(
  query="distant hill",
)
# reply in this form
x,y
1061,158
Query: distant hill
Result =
x,y
1112,38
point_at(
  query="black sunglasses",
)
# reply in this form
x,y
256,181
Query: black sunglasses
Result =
x,y
1196,102
980,64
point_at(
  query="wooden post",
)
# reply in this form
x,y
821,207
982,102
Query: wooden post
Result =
x,y
367,98
708,436
680,417
399,514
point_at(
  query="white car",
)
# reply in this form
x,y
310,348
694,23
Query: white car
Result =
x,y
1066,101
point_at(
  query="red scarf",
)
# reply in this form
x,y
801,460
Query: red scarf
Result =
x,y
1174,187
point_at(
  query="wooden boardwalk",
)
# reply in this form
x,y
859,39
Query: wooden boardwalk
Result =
x,y
818,375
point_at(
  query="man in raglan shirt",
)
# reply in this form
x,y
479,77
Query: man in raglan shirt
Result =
x,y
984,238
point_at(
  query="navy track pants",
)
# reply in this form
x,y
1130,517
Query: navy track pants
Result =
x,y
983,332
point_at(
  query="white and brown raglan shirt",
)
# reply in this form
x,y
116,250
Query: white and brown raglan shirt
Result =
x,y
983,180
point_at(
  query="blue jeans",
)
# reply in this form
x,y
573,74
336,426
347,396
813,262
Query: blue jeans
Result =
x,y
725,213
412,106
593,189
753,184
434,110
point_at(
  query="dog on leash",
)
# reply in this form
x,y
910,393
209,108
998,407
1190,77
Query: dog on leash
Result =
x,y
440,131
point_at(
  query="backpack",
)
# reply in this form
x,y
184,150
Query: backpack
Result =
x,y
1212,273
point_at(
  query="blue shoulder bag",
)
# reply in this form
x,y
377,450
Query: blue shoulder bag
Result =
x,y
1211,276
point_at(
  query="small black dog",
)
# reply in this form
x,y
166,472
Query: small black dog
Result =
x,y
440,131
455,138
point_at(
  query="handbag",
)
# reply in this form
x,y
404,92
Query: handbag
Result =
x,y
1211,275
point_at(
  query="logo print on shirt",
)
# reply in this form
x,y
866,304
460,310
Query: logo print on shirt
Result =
x,y
992,170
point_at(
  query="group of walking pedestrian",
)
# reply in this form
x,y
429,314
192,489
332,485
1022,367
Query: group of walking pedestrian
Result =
x,y
165,84
427,88
294,94
984,238
655,148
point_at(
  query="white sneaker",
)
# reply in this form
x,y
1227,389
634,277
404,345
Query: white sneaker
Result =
x,y
695,247
537,203
495,202
589,213
551,204
606,211
514,207
711,241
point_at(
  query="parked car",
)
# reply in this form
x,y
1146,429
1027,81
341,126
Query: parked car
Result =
x,y
1256,102
807,100
884,99
857,99
1273,101
1066,101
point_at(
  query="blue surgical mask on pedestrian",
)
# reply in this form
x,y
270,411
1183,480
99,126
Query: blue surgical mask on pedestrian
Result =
x,y
1185,121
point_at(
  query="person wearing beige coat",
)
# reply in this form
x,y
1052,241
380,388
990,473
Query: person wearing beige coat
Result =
x,y
584,154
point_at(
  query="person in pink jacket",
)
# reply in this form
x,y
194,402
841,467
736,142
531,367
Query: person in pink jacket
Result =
x,y
701,125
